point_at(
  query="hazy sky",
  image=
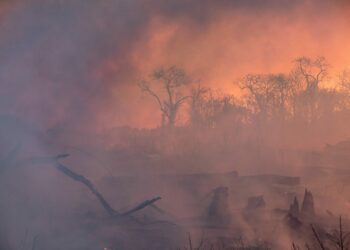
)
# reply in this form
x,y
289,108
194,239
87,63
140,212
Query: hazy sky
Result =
x,y
76,63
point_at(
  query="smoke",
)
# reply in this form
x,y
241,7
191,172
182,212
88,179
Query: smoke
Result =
x,y
67,63
73,66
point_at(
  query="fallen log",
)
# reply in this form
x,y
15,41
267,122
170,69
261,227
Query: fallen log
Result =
x,y
80,178
141,206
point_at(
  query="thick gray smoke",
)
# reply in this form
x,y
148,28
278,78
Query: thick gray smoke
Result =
x,y
68,77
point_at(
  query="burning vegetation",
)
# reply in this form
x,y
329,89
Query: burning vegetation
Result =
x,y
133,124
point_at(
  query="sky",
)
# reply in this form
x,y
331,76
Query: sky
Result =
x,y
76,64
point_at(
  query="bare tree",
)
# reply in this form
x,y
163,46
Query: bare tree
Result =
x,y
344,87
198,103
283,90
308,74
261,92
268,97
313,72
344,81
171,81
208,107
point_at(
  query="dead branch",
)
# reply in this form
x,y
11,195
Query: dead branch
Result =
x,y
339,238
317,237
141,206
77,177
80,178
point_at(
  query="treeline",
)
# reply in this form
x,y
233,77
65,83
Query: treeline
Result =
x,y
305,102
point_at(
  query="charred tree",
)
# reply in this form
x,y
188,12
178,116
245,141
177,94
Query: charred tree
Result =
x,y
54,161
292,218
171,80
308,207
218,214
294,209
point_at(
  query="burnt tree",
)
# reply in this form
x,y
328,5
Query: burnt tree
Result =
x,y
171,81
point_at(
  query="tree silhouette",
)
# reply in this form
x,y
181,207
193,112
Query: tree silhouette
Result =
x,y
171,80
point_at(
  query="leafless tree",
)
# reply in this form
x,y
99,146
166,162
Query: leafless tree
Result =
x,y
198,103
261,92
312,72
283,90
171,81
329,102
218,106
308,74
344,81
268,97
344,87
208,107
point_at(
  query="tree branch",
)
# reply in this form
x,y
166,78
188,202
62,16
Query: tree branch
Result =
x,y
181,100
141,206
144,87
80,178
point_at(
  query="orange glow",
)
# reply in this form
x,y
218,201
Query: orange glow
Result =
x,y
235,43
